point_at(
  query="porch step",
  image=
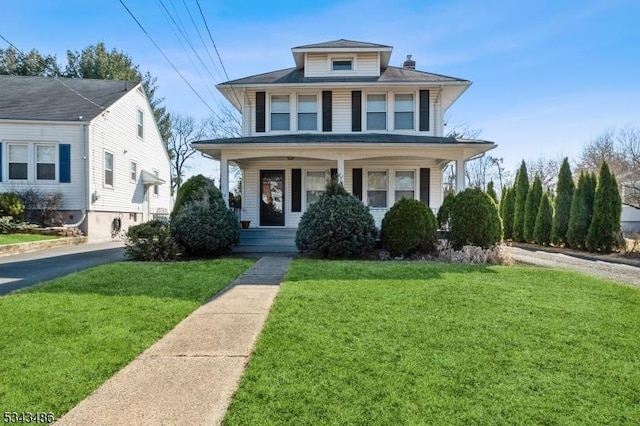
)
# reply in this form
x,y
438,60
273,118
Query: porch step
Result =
x,y
267,240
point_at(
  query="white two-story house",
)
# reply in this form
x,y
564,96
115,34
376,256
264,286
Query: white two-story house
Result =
x,y
94,141
341,111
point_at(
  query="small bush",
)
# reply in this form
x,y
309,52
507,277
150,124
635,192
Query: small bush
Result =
x,y
444,212
338,225
10,205
206,226
192,190
474,220
42,208
409,227
151,241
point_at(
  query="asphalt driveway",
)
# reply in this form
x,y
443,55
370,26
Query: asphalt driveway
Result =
x,y
28,269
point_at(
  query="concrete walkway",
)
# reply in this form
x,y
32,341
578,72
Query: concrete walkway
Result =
x,y
190,375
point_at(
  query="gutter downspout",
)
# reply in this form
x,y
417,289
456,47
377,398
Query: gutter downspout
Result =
x,y
87,196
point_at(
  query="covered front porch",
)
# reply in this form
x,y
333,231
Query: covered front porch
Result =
x,y
283,175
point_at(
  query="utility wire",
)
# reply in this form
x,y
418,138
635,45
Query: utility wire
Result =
x,y
168,60
202,40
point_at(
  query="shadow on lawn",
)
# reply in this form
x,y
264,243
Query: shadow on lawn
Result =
x,y
347,270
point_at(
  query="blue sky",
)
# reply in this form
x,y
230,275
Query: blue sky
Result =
x,y
548,76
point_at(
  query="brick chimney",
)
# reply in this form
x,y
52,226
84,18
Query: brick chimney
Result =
x,y
409,63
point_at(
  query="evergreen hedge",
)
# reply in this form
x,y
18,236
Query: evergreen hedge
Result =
x,y
544,221
604,232
531,208
581,210
492,192
521,187
562,211
507,207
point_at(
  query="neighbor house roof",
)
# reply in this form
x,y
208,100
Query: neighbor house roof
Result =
x,y
343,44
58,99
389,75
320,138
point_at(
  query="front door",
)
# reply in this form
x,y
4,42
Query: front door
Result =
x,y
271,197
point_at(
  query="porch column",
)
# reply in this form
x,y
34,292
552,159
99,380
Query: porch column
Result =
x,y
224,178
341,170
459,175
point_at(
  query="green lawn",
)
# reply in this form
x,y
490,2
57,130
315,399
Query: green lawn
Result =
x,y
24,238
423,343
61,340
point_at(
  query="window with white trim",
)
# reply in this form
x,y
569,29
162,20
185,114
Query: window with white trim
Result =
x,y
18,161
342,64
307,112
315,183
280,112
403,113
405,184
156,188
377,188
45,162
108,169
376,112
140,119
133,171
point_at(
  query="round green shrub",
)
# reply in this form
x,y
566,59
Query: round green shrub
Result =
x,y
444,212
10,205
474,220
206,226
151,241
338,225
408,227
192,190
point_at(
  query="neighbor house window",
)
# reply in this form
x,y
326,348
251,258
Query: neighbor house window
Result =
x,y
18,162
342,65
403,115
377,189
45,162
108,169
376,112
156,188
307,112
280,112
316,183
133,171
405,183
140,124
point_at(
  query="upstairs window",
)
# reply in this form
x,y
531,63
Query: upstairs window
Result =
x,y
45,162
307,112
376,112
108,169
280,112
342,65
403,115
18,162
140,124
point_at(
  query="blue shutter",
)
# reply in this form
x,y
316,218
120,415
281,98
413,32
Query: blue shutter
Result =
x,y
0,162
65,163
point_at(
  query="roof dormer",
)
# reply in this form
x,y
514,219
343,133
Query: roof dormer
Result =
x,y
342,58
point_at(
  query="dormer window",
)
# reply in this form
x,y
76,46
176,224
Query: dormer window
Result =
x,y
342,65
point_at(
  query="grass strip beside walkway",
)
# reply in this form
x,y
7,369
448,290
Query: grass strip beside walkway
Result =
x,y
61,340
25,238
424,343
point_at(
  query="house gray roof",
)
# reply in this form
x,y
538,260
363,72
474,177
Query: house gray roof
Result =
x,y
342,44
58,99
389,75
315,138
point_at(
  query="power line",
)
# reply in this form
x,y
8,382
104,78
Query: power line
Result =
x,y
167,59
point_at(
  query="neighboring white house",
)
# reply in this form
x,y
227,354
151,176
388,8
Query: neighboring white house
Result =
x,y
341,111
95,141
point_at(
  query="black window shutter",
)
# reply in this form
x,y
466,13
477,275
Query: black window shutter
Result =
x,y
327,111
334,174
65,162
424,110
357,183
260,112
356,111
296,190
425,181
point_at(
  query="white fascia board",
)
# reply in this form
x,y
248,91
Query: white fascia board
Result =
x,y
47,122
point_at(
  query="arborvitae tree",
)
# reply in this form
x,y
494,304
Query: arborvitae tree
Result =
x,y
506,210
581,210
604,231
492,192
521,188
544,221
564,197
531,208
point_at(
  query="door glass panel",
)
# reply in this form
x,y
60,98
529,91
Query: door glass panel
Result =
x,y
272,198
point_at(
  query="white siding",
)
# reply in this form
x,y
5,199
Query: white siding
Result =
x,y
364,64
116,132
316,65
32,133
341,114
367,64
249,114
